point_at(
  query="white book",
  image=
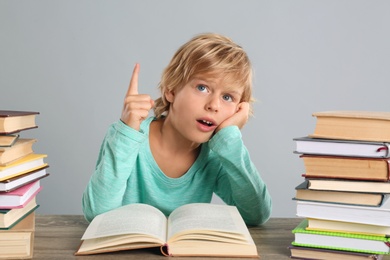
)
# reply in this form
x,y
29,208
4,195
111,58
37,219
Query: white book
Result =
x,y
336,147
349,213
18,181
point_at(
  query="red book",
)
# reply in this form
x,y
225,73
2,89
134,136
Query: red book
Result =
x,y
20,197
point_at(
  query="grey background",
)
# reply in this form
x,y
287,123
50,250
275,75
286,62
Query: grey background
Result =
x,y
72,61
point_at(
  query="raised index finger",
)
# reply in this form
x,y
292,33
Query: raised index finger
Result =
x,y
133,86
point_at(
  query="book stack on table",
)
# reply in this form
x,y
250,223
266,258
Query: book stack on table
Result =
x,y
20,172
344,197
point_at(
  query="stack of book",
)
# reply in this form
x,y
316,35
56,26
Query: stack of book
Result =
x,y
344,197
20,172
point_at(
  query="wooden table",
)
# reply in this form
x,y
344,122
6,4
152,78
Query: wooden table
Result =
x,y
58,237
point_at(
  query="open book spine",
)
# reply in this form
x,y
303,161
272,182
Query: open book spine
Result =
x,y
165,250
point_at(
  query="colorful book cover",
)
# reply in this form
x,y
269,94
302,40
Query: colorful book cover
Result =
x,y
20,197
340,241
4,211
26,164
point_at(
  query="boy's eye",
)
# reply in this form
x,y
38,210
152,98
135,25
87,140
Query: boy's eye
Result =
x,y
201,87
227,98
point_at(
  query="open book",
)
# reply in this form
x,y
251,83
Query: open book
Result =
x,y
198,229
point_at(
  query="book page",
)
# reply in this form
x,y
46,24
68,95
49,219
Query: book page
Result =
x,y
132,218
204,216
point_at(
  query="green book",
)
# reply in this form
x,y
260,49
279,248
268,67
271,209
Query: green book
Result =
x,y
7,223
340,241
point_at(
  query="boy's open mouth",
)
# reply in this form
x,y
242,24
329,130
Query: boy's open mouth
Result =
x,y
205,122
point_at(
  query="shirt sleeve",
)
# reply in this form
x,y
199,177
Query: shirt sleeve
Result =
x,y
116,160
239,183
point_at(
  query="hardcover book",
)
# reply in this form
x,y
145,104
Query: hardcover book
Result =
x,y
353,125
15,121
199,229
345,197
338,167
321,146
310,253
18,241
20,197
8,140
23,165
21,180
348,185
348,213
347,227
10,217
339,241
21,148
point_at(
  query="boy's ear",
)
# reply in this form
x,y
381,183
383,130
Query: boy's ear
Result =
x,y
169,96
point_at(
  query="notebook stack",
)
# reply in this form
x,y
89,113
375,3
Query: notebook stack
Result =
x,y
20,173
344,197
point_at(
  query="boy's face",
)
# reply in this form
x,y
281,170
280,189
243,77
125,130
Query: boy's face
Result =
x,y
199,107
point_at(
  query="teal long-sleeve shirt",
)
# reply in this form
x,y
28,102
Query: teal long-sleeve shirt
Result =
x,y
126,172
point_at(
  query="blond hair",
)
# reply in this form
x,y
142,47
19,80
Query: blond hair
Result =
x,y
206,54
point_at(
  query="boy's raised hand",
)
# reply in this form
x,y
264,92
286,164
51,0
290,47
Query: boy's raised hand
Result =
x,y
136,106
239,118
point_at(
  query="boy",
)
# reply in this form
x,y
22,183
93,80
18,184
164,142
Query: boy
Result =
x,y
192,147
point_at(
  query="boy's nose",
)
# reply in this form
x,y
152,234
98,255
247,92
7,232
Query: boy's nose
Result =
x,y
213,104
